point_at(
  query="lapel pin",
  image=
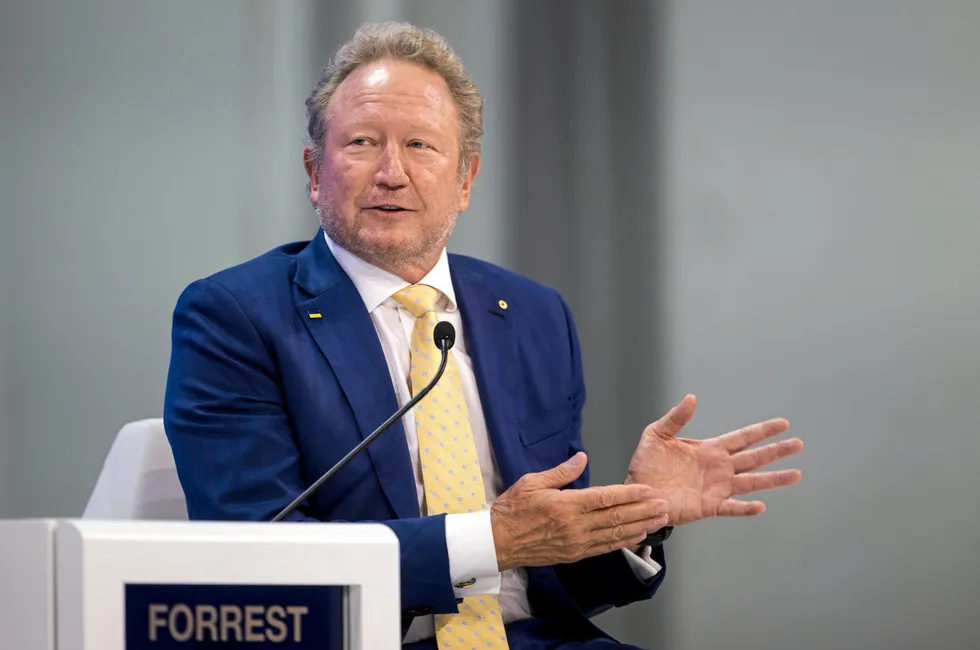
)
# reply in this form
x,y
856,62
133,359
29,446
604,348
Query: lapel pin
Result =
x,y
315,314
502,304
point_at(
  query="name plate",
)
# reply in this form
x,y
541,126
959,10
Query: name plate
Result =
x,y
181,616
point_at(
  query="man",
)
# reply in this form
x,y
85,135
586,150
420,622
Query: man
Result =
x,y
281,365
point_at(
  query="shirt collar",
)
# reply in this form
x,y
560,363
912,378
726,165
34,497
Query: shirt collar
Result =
x,y
377,285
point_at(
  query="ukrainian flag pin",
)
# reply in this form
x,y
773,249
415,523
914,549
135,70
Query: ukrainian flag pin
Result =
x,y
315,314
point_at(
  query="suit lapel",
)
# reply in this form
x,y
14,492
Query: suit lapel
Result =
x,y
346,337
490,339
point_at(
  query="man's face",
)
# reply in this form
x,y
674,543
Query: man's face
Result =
x,y
389,189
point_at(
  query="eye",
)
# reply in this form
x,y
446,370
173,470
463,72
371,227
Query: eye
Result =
x,y
359,141
417,144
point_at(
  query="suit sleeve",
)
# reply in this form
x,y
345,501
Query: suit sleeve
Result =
x,y
236,454
603,581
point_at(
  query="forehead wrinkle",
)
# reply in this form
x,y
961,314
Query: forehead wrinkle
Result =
x,y
399,98
429,95
380,107
376,112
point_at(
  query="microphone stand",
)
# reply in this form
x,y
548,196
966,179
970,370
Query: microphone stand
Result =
x,y
444,345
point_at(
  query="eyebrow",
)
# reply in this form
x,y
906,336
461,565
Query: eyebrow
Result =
x,y
419,130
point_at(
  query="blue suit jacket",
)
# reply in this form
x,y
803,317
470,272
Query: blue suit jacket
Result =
x,y
261,400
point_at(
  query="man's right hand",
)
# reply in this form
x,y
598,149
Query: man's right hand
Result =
x,y
537,524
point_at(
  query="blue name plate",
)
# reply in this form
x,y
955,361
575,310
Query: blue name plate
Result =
x,y
164,617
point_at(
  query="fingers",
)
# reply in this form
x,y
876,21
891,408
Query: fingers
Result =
x,y
746,483
608,496
676,418
736,508
746,437
559,476
627,514
607,540
750,459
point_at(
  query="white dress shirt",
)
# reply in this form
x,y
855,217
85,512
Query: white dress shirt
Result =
x,y
469,536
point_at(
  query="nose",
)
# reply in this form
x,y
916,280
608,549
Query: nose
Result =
x,y
391,172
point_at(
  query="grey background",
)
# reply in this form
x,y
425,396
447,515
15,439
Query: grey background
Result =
x,y
770,204
822,220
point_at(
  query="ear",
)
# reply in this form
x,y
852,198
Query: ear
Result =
x,y
313,174
471,172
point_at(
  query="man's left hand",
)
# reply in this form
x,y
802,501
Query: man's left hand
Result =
x,y
698,478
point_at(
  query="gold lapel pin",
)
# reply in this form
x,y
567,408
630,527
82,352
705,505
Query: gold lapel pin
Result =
x,y
315,314
502,304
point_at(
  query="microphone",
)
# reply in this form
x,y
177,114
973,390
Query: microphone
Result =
x,y
444,336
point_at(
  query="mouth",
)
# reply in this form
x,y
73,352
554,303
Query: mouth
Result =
x,y
387,208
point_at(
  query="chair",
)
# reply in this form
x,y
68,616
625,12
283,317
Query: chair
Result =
x,y
139,478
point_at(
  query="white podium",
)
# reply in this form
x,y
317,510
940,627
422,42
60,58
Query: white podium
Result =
x,y
128,585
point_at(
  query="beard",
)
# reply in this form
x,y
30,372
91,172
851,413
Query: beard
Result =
x,y
416,249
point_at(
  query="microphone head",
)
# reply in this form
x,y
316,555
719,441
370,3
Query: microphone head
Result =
x,y
444,335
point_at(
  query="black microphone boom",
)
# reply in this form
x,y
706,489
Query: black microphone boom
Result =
x,y
444,336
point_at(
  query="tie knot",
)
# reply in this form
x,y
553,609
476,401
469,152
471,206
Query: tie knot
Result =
x,y
418,298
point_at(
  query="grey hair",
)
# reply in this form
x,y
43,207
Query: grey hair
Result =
x,y
376,41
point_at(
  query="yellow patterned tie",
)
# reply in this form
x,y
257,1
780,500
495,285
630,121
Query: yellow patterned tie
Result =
x,y
450,468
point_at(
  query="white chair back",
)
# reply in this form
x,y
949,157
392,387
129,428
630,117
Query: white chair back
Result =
x,y
139,478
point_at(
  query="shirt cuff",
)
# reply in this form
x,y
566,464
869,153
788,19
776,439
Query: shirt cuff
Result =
x,y
644,567
472,554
